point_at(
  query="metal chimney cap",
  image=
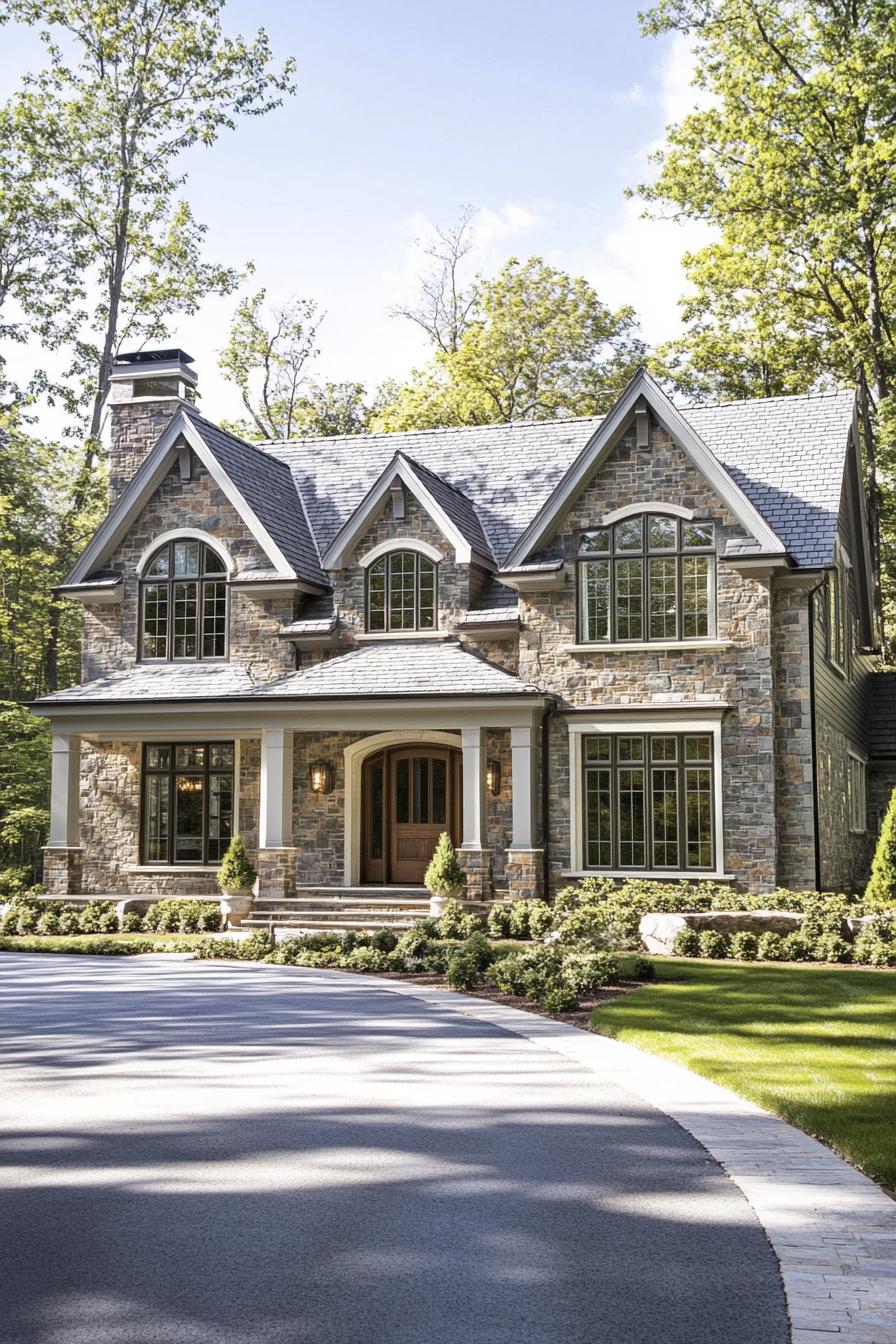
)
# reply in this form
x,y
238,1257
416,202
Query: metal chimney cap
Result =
x,y
154,357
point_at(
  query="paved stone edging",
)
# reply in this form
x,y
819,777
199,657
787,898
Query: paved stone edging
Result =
x,y
832,1229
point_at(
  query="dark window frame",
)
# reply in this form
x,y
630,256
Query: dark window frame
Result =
x,y
386,560
202,580
679,553
171,772
614,766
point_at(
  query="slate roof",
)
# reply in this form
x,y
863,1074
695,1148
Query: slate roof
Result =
x,y
786,453
458,508
420,668
267,486
162,681
882,714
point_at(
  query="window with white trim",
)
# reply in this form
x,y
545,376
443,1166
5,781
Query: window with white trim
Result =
x,y
651,577
401,592
183,603
857,794
649,802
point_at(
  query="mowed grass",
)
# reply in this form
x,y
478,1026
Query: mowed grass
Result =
x,y
813,1044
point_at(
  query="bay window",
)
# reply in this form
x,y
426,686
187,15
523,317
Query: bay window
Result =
x,y
647,578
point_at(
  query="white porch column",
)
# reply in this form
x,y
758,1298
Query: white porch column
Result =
x,y
472,741
523,782
275,821
64,790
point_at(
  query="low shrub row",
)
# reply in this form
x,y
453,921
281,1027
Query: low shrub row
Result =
x,y
100,946
820,939
554,977
27,916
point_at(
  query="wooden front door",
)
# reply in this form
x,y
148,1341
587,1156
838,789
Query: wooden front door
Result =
x,y
411,794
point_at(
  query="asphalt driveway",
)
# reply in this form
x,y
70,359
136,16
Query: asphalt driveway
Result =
x,y
216,1154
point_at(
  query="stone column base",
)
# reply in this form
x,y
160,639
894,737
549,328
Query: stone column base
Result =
x,y
276,873
63,870
477,866
524,873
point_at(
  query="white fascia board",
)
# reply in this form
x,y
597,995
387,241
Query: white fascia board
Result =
x,y
150,720
147,479
605,438
346,538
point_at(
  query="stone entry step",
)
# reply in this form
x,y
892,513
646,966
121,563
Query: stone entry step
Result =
x,y
341,908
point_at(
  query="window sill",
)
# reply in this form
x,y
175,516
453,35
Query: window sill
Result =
x,y
653,646
165,869
394,636
665,875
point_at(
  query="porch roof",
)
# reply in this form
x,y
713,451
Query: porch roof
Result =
x,y
373,672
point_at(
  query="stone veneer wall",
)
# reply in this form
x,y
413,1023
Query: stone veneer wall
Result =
x,y
111,635
135,428
794,778
739,674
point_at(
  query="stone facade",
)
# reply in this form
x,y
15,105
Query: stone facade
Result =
x,y
757,667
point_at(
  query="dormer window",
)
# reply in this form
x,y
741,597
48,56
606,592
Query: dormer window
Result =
x,y
645,578
183,603
401,593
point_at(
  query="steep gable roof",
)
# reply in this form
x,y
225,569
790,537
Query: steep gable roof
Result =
x,y
785,457
258,486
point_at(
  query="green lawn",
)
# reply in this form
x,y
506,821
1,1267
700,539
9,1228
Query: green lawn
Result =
x,y
814,1044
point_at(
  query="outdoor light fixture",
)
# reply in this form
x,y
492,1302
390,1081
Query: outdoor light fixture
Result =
x,y
321,777
493,777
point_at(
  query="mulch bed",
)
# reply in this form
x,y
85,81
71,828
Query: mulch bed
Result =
x,y
580,1018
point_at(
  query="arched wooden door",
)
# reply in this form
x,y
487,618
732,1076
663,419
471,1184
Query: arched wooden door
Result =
x,y
410,795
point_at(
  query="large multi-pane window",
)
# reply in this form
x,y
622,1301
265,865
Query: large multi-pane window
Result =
x,y
401,592
649,801
650,577
183,603
187,802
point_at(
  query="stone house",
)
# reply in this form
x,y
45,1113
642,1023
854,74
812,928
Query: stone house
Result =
x,y
644,644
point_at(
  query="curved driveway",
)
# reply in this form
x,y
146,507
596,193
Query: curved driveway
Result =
x,y
196,1153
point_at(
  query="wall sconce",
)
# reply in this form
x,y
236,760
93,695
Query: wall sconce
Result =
x,y
493,777
321,777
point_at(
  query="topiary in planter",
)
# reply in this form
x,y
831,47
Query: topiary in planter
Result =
x,y
444,877
236,874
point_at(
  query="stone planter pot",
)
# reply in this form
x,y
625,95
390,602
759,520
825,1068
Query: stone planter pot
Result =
x,y
235,906
437,901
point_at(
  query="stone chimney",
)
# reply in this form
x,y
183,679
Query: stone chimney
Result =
x,y
146,389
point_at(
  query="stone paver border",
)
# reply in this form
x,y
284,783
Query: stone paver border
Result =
x,y
832,1229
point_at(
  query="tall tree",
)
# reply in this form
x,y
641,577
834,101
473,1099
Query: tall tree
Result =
x,y
791,156
442,307
538,344
266,357
130,86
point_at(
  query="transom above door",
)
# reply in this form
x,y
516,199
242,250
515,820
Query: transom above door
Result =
x,y
410,795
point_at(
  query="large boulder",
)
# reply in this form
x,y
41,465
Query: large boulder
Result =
x,y
658,931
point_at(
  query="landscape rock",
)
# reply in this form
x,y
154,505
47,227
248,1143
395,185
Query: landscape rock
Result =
x,y
658,931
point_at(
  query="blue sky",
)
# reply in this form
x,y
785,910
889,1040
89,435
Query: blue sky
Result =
x,y
539,114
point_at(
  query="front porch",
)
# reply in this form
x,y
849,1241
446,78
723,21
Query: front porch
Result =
x,y
340,805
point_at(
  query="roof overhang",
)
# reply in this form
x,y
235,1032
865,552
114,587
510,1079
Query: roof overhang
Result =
x,y
642,394
247,716
755,565
339,551
540,578
149,477
98,592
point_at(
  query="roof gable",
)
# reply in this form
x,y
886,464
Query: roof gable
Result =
x,y
642,392
258,487
450,510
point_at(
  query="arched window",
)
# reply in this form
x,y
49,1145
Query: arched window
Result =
x,y
183,603
401,592
647,577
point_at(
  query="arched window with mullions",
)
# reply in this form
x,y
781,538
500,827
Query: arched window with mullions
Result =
x,y
647,577
183,603
401,593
